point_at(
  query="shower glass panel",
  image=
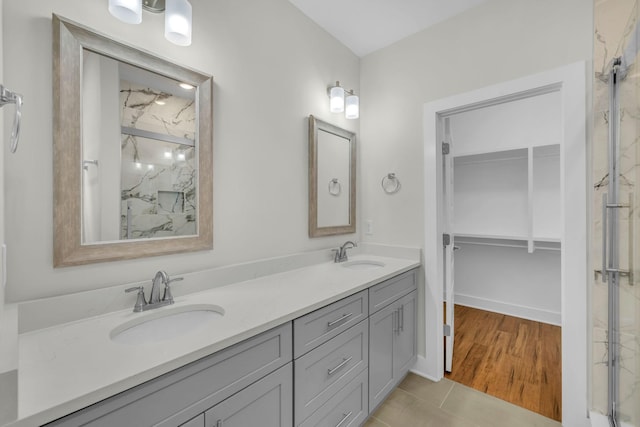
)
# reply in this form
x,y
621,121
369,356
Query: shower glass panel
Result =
x,y
615,372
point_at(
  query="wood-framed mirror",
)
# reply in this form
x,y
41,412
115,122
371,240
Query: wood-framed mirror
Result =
x,y
332,179
132,151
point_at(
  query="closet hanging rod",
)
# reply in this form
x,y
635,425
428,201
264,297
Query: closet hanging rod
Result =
x,y
9,97
506,245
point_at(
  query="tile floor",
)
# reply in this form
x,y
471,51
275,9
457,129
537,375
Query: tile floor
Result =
x,y
419,402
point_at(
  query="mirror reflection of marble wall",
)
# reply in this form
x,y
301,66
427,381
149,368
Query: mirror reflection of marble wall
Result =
x,y
142,133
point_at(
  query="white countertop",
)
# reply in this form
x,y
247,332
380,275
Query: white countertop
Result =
x,y
70,366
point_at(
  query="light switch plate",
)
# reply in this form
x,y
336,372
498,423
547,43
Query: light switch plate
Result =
x,y
368,227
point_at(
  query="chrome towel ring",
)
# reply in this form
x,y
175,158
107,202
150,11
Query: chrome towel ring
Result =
x,y
9,97
391,184
335,188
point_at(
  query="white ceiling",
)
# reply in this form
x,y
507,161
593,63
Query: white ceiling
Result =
x,y
368,25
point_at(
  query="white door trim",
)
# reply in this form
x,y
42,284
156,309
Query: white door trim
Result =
x,y
571,81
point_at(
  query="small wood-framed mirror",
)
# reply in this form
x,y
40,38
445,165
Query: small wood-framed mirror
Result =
x,y
332,179
132,151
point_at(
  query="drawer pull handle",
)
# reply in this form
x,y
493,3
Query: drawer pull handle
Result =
x,y
342,319
344,418
219,423
401,322
341,365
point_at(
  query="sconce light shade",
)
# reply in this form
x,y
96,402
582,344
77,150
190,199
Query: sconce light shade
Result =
x,y
336,99
129,11
177,22
353,106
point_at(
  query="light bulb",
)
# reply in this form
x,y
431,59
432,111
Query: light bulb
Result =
x,y
177,22
129,11
353,106
336,99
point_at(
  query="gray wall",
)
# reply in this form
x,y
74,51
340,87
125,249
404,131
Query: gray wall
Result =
x,y
495,42
271,67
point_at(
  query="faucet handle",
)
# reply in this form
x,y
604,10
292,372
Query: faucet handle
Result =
x,y
141,301
167,289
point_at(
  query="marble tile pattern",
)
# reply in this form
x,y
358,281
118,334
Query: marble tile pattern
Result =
x,y
156,111
615,22
155,172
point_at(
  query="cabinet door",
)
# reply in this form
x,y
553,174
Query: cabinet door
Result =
x,y
404,348
382,328
266,403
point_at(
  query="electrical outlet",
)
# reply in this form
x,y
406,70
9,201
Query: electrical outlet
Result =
x,y
368,227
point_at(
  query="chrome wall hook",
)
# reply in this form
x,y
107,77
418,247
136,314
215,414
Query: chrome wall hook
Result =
x,y
9,97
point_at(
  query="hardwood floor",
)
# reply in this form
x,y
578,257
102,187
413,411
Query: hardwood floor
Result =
x,y
513,359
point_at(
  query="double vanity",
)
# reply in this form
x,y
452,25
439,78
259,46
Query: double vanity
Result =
x,y
319,345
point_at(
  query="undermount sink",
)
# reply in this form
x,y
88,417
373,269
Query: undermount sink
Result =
x,y
363,264
166,324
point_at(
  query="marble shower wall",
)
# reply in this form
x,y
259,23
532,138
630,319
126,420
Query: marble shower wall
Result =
x,y
615,22
158,177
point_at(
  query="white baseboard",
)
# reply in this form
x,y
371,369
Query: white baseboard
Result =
x,y
531,313
420,368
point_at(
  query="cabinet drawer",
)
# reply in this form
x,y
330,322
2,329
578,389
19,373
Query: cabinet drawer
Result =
x,y
180,395
347,408
321,325
321,373
390,290
267,403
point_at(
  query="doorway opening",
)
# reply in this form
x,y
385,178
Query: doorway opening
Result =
x,y
502,218
505,171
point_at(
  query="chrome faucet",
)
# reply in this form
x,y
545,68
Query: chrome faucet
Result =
x,y
341,252
161,278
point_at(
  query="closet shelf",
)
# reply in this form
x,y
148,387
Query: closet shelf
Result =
x,y
546,243
506,153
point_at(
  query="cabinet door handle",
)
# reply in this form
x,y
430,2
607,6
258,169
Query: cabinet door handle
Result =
x,y
341,365
345,417
342,319
219,423
401,322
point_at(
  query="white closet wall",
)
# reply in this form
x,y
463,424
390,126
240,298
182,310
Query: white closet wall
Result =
x,y
507,211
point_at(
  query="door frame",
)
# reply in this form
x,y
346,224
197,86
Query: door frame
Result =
x,y
570,80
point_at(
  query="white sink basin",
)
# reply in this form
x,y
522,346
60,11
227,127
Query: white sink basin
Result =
x,y
363,264
166,324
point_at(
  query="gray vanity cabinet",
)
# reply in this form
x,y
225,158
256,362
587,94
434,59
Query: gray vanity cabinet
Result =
x,y
392,346
266,403
195,422
181,396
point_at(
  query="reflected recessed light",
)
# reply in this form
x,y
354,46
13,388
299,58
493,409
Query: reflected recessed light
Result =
x,y
167,155
180,156
157,101
186,86
138,165
149,167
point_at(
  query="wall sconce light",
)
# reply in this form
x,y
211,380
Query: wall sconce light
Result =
x,y
337,102
177,21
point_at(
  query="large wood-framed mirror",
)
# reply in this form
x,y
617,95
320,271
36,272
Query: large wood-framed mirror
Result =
x,y
332,179
132,136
